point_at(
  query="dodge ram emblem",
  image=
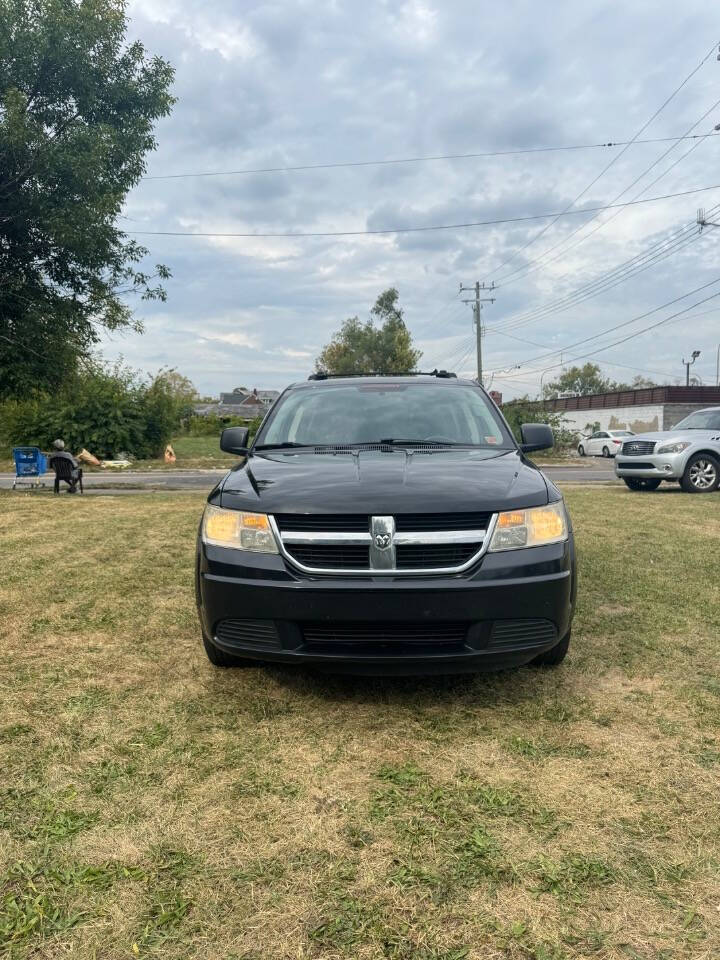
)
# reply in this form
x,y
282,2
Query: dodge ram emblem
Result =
x,y
382,540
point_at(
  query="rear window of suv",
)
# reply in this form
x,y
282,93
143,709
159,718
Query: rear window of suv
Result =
x,y
347,414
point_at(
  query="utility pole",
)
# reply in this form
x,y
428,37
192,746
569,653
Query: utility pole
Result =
x,y
688,363
702,220
477,303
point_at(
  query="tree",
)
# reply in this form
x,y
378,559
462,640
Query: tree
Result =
x,y
524,410
638,383
77,109
580,380
106,408
181,390
361,347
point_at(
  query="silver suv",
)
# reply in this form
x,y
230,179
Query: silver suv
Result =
x,y
689,453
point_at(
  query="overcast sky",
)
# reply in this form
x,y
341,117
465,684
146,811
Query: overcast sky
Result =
x,y
295,83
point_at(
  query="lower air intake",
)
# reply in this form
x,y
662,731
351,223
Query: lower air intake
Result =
x,y
522,633
246,633
390,632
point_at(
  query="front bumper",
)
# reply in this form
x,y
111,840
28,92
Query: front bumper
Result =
x,y
505,611
658,466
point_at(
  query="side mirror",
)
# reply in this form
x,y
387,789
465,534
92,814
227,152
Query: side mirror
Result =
x,y
536,436
235,440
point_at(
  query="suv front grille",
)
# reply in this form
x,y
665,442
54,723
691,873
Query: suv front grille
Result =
x,y
332,556
417,556
403,544
350,522
441,521
637,448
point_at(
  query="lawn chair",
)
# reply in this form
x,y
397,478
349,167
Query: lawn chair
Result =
x,y
64,471
30,465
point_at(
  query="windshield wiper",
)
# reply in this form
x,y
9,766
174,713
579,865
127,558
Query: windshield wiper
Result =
x,y
407,441
286,445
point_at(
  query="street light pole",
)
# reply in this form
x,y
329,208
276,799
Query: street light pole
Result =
x,y
688,363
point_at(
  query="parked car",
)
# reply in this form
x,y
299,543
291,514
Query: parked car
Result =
x,y
689,453
603,443
386,525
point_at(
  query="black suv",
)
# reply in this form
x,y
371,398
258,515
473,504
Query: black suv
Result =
x,y
386,525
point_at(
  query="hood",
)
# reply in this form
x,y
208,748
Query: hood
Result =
x,y
692,436
400,481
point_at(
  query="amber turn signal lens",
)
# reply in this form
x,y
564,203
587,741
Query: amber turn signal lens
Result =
x,y
530,528
237,529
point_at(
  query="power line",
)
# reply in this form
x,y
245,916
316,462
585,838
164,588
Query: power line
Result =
x,y
637,333
378,163
613,161
447,226
535,265
624,323
657,252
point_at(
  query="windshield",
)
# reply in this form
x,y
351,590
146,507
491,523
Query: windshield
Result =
x,y
621,433
351,414
700,420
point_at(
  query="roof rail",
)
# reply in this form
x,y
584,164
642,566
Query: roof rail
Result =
x,y
445,374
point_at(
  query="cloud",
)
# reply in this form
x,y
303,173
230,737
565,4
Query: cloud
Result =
x,y
235,339
299,83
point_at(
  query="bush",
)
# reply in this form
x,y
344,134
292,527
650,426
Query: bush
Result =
x,y
524,410
107,409
212,424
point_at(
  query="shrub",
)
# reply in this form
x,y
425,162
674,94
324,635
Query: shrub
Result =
x,y
108,409
212,425
524,410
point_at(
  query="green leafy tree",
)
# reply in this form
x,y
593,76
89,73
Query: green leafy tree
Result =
x,y
580,380
183,393
108,409
363,347
523,410
638,383
77,110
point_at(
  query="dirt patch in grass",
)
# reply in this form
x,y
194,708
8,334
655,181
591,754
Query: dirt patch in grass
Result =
x,y
153,806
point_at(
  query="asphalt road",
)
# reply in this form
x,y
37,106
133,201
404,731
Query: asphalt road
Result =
x,y
132,481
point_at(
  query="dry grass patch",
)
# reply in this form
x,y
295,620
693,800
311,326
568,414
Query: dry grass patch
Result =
x,y
153,806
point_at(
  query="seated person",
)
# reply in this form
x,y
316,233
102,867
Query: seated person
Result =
x,y
60,453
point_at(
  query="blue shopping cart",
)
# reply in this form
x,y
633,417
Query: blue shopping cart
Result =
x,y
30,465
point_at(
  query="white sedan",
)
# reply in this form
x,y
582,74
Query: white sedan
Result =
x,y
603,443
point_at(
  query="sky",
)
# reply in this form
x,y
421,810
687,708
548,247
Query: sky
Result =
x,y
325,82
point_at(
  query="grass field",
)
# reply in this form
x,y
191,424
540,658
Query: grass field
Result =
x,y
153,806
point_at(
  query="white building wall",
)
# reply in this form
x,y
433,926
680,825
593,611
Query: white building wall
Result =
x,y
637,419
657,416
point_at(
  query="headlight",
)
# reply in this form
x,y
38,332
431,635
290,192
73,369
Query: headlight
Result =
x,y
233,528
530,528
676,447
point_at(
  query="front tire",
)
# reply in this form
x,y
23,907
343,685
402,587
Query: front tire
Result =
x,y
702,474
642,483
554,656
581,450
219,658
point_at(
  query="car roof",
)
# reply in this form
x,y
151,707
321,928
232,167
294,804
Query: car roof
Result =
x,y
374,379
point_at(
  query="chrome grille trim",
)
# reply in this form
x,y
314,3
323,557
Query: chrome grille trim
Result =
x,y
416,538
328,538
346,539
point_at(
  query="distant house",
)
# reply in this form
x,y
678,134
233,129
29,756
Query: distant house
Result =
x,y
242,396
241,402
